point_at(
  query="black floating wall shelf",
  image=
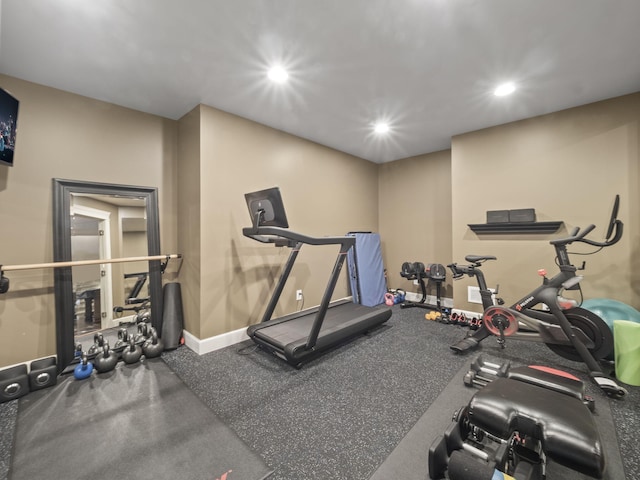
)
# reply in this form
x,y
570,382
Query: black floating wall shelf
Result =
x,y
534,227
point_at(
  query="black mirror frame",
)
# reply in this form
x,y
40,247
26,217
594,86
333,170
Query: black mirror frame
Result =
x,y
63,285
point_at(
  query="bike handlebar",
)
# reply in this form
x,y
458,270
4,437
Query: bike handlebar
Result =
x,y
578,235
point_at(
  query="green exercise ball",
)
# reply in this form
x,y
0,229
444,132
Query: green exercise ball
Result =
x,y
610,310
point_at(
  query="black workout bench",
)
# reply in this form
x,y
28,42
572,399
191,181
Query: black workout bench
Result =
x,y
531,415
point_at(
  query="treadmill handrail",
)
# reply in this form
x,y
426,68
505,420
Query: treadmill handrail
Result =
x,y
276,234
283,236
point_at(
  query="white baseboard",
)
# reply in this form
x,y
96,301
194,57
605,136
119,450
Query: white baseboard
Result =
x,y
218,342
467,313
212,344
446,302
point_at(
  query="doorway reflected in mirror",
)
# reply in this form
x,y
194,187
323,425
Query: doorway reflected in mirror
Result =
x,y
108,226
94,221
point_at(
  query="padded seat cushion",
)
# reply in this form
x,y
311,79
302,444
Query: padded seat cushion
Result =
x,y
562,423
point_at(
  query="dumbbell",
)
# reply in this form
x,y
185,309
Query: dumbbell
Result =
x,y
483,373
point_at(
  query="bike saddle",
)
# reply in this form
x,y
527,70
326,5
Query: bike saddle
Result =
x,y
465,345
478,258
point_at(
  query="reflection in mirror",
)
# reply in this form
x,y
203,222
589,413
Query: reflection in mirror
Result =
x,y
101,221
107,226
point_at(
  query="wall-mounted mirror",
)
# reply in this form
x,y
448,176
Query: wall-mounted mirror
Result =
x,y
102,221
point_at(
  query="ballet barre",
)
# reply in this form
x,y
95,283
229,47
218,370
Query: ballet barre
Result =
x,y
4,281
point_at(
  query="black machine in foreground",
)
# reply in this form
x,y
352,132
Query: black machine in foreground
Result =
x,y
300,336
519,420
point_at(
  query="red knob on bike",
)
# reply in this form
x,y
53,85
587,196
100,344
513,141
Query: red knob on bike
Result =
x,y
542,272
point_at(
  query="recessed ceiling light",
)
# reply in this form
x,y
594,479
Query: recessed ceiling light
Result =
x,y
278,74
381,127
504,89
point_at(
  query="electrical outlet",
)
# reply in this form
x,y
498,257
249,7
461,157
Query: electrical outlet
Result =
x,y
298,294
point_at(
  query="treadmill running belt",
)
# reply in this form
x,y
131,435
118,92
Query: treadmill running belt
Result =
x,y
341,322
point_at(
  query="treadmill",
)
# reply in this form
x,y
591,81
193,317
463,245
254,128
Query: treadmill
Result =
x,y
298,337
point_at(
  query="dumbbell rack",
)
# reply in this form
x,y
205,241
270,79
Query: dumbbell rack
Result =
x,y
417,271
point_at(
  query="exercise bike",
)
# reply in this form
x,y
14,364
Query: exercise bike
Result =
x,y
572,332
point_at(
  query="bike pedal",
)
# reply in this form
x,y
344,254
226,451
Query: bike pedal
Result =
x,y
465,345
609,386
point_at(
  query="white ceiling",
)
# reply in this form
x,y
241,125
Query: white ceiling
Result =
x,y
426,66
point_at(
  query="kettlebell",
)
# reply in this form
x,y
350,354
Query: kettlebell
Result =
x,y
98,342
106,360
83,369
123,339
143,333
144,317
153,347
131,353
389,299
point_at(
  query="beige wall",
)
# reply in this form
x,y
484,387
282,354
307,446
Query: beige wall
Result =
x,y
68,136
188,177
568,166
415,215
325,193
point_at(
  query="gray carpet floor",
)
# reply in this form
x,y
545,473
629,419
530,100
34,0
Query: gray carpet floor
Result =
x,y
342,415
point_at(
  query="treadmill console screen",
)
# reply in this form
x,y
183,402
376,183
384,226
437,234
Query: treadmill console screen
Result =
x,y
266,208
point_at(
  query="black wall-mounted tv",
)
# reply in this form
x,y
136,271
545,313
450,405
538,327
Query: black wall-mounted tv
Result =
x,y
8,126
